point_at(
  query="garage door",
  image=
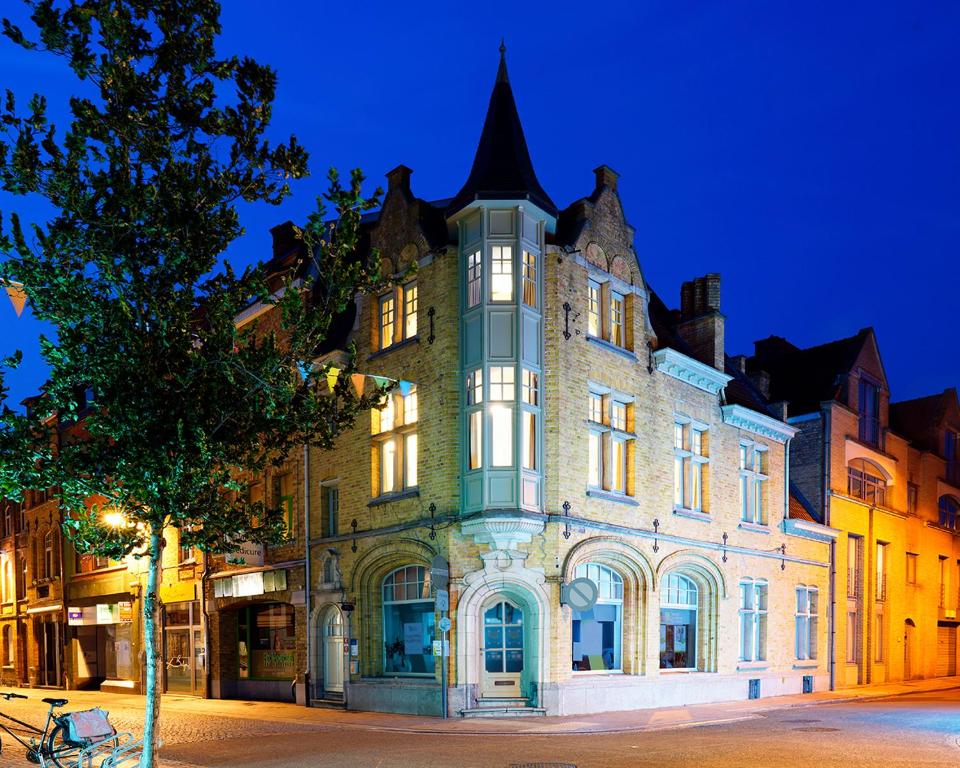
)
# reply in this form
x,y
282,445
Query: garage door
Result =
x,y
946,651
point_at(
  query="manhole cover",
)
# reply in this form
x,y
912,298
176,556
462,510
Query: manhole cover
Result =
x,y
816,729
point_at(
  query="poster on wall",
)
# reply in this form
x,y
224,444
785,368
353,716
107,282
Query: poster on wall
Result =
x,y
413,639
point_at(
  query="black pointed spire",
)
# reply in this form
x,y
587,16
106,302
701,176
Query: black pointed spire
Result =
x,y
501,168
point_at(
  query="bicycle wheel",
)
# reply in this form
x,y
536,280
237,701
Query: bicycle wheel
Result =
x,y
62,752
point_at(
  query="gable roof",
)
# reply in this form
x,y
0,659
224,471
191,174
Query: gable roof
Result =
x,y
807,377
917,419
502,169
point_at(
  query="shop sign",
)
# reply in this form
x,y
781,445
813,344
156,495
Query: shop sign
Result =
x,y
250,584
275,665
246,553
74,616
125,612
108,613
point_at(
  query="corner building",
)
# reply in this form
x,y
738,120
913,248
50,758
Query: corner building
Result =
x,y
560,423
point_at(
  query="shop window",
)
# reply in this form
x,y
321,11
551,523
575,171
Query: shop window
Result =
x,y
408,623
690,466
266,643
395,446
679,609
807,618
598,632
753,620
753,480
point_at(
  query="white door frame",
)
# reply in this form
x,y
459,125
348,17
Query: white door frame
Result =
x,y
328,654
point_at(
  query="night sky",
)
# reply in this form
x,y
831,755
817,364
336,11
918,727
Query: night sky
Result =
x,y
809,152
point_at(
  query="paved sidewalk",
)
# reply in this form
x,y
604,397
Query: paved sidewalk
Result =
x,y
180,713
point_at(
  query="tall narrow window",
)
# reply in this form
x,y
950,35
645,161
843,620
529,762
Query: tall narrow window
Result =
x,y
951,454
474,272
679,608
616,319
949,509
911,568
409,623
394,427
595,409
753,476
387,320
410,302
475,427
807,620
410,459
881,576
529,419
530,279
868,406
690,464
609,442
531,392
501,273
753,620
388,462
475,387
48,548
593,309
333,510
618,473
501,435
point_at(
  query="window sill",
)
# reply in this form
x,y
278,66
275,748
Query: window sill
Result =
x,y
622,351
806,665
386,498
686,671
752,666
397,345
754,527
618,498
596,672
703,517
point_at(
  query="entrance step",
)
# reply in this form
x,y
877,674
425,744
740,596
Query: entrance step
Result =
x,y
328,703
519,701
502,711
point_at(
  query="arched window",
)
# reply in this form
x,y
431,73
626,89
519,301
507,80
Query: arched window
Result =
x,y
865,481
48,555
679,609
598,632
408,622
949,512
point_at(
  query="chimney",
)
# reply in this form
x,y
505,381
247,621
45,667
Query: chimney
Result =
x,y
701,324
399,179
739,362
606,177
761,380
284,239
779,409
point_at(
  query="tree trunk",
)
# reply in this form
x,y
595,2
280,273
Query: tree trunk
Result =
x,y
151,637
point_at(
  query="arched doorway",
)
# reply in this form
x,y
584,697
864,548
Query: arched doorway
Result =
x,y
503,650
331,651
909,628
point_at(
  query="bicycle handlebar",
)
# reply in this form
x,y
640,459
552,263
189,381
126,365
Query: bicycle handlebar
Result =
x,y
9,696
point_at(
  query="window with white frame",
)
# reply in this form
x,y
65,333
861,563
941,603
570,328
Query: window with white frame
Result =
x,y
690,465
598,632
807,617
388,319
530,279
397,315
474,273
474,385
610,442
679,609
753,620
501,273
408,623
593,309
410,302
394,428
529,407
616,320
753,478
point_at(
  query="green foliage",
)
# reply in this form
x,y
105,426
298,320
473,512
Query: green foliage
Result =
x,y
186,407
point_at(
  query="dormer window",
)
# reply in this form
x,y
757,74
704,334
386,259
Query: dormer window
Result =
x,y
951,454
868,408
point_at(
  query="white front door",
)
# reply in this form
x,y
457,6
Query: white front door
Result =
x,y
502,651
333,651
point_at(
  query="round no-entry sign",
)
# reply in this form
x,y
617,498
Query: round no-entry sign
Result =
x,y
581,594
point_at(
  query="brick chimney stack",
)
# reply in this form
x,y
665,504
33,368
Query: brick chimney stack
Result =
x,y
701,324
606,177
399,179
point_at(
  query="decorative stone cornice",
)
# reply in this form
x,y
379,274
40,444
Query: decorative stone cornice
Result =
x,y
502,532
691,371
756,422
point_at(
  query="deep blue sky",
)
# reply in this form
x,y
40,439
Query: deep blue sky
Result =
x,y
809,152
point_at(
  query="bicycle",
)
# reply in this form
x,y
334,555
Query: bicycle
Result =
x,y
53,744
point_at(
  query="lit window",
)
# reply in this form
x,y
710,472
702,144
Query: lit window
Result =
x,y
616,319
410,460
807,618
598,632
596,408
618,415
409,623
501,273
501,436
410,410
619,465
679,608
529,458
394,427
530,279
283,491
690,464
475,387
609,449
387,320
753,458
753,620
388,462
531,394
474,271
410,310
593,309
475,427
388,414
864,481
502,383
